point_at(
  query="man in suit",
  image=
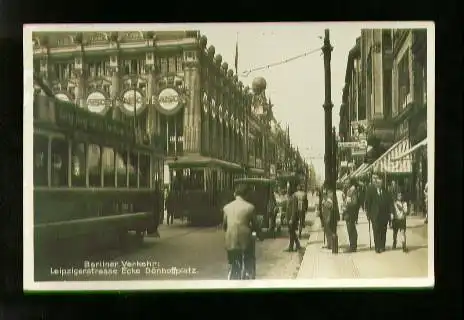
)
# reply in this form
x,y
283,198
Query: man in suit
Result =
x,y
239,223
351,214
293,220
301,207
379,207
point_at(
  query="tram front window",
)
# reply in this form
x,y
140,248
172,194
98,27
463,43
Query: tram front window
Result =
x,y
108,167
121,168
40,161
94,163
59,163
78,165
194,179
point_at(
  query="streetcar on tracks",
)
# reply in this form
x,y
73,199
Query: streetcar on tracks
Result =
x,y
92,175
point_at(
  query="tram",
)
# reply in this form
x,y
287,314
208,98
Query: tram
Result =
x,y
92,175
202,186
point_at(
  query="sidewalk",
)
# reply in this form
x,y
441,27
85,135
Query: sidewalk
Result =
x,y
319,263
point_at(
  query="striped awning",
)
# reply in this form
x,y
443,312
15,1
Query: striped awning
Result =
x,y
423,143
358,170
386,164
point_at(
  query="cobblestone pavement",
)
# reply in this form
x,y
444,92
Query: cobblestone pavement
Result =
x,y
319,263
182,252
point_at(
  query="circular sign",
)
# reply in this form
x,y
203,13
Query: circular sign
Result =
x,y
169,101
132,99
96,102
62,97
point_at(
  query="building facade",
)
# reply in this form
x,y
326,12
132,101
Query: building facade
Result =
x,y
172,86
385,102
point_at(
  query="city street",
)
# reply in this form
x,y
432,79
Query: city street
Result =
x,y
193,253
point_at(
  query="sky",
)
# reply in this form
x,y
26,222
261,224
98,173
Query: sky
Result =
x,y
296,88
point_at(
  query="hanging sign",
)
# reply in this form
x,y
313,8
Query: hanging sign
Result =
x,y
132,100
97,102
169,101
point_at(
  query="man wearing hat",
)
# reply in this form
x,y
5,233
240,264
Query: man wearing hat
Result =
x,y
379,207
351,214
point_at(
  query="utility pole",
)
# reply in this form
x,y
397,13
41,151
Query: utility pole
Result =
x,y
329,140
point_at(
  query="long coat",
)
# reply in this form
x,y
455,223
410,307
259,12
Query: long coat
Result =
x,y
379,207
239,222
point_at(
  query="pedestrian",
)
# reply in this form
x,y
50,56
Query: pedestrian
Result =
x,y
327,206
302,207
379,206
293,218
239,223
282,203
393,189
272,212
170,206
399,221
350,214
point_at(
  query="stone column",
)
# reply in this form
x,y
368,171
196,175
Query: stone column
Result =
x,y
80,90
114,92
152,114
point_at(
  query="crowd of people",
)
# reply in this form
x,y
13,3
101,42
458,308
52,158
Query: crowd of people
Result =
x,y
383,204
242,228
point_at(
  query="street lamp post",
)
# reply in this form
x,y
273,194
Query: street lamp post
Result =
x,y
329,154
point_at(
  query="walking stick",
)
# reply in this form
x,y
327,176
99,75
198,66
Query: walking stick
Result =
x,y
370,240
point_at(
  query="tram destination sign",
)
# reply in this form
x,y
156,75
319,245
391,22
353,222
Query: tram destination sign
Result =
x,y
353,145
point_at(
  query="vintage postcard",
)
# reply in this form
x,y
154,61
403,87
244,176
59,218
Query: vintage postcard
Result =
x,y
239,155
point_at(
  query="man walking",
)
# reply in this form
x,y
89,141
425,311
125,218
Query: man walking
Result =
x,y
301,207
351,214
294,218
239,223
379,206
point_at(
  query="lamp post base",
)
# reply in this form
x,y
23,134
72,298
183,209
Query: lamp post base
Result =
x,y
334,243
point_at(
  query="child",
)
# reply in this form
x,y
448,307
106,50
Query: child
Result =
x,y
399,221
326,214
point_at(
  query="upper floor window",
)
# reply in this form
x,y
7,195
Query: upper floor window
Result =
x,y
134,66
403,81
179,62
164,65
63,71
98,68
172,65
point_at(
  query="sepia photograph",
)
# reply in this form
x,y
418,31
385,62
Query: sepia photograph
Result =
x,y
228,155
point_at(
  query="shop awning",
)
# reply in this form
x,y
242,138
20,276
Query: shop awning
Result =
x,y
343,178
423,143
358,170
386,164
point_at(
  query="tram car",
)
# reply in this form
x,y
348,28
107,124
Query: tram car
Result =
x,y
92,175
202,187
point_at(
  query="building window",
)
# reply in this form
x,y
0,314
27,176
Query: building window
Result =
x,y
98,68
63,71
172,65
403,81
179,62
164,65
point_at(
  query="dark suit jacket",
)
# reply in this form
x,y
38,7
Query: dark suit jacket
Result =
x,y
239,222
379,207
